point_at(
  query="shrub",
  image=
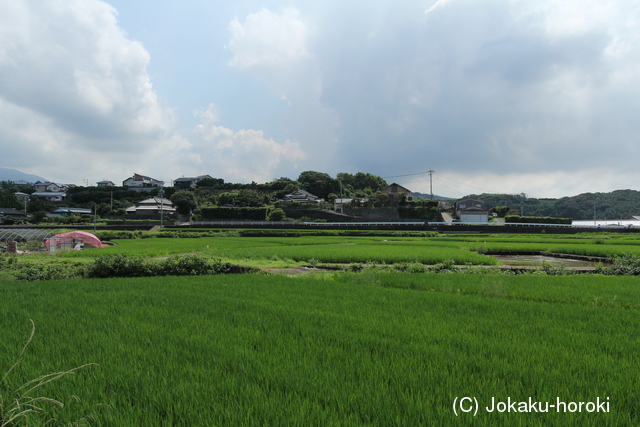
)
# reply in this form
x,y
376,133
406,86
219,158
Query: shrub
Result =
x,y
550,270
623,265
276,215
32,272
118,266
184,265
446,267
134,266
355,267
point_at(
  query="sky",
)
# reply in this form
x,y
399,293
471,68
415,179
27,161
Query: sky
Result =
x,y
495,96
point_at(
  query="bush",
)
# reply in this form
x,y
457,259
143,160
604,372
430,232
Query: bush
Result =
x,y
235,214
32,272
446,267
536,219
134,266
623,265
118,266
184,265
276,215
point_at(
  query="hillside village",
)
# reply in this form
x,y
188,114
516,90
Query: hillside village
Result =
x,y
313,196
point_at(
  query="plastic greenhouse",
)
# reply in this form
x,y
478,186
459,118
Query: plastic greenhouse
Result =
x,y
72,240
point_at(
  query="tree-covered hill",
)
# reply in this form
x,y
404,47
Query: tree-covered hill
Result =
x,y
619,204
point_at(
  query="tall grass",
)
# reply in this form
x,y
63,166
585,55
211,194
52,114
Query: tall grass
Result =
x,y
23,405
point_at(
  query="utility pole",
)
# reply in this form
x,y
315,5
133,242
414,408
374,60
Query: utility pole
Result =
x,y
594,211
431,182
161,206
341,199
522,203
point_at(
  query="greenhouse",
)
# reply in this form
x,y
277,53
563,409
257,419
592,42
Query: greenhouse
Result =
x,y
28,238
23,235
72,240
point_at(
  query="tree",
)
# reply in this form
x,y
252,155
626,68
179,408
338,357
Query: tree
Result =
x,y
277,215
184,201
210,182
318,183
9,200
227,198
39,216
250,199
37,204
362,182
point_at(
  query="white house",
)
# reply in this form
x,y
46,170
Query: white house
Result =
x,y
52,196
50,186
153,206
141,183
301,196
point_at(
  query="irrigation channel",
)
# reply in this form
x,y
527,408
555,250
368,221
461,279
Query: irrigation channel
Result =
x,y
536,259
516,262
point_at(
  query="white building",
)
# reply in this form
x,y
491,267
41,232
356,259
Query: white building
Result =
x,y
141,183
472,210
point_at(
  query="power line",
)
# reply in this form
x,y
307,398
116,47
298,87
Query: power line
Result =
x,y
409,174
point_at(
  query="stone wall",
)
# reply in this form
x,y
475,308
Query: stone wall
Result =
x,y
375,214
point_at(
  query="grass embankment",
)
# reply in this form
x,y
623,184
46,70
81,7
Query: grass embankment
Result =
x,y
375,349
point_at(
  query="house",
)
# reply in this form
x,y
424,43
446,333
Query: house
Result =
x,y
472,210
11,214
301,196
71,211
185,183
396,190
340,203
141,183
52,196
105,184
152,207
50,186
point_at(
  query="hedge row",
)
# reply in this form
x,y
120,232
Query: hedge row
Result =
x,y
416,212
128,266
221,213
537,219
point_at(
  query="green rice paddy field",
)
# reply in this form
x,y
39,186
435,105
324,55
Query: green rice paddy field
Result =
x,y
378,348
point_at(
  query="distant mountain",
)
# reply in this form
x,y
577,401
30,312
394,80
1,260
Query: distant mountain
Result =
x,y
618,204
428,196
15,175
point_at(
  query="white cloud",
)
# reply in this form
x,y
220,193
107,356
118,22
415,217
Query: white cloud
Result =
x,y
268,39
273,48
245,155
75,85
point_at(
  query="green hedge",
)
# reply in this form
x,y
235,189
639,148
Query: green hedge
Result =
x,y
417,212
537,219
220,213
